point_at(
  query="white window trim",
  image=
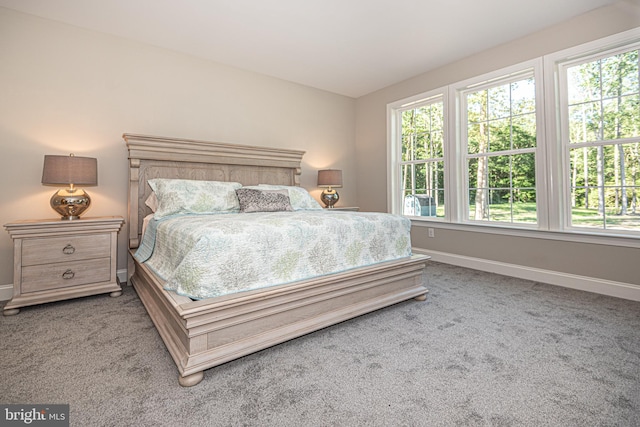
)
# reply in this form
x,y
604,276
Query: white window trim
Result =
x,y
551,181
394,151
459,91
554,64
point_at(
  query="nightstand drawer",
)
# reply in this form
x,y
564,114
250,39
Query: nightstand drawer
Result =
x,y
65,249
52,276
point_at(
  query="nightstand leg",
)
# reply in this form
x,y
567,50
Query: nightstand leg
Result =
x,y
11,311
115,294
191,380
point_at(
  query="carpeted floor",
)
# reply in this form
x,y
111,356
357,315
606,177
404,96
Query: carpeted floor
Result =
x,y
483,350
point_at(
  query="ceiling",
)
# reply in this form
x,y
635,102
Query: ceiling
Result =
x,y
349,47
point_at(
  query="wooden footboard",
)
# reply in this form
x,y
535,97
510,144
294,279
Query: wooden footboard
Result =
x,y
203,334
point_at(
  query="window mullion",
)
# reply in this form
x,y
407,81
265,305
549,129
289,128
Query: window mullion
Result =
x,y
455,185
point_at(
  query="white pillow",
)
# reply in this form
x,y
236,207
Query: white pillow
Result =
x,y
299,197
152,201
185,196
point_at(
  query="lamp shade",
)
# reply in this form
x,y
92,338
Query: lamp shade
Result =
x,y
61,170
330,178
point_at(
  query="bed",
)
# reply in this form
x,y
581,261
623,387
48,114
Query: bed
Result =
x,y
203,333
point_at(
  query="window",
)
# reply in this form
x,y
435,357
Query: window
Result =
x,y
499,140
421,165
600,106
557,150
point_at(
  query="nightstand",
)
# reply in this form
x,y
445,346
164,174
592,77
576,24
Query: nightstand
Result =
x,y
56,260
344,208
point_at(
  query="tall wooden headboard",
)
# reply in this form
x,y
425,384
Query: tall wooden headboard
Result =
x,y
161,157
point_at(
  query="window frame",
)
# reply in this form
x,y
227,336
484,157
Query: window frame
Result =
x,y
561,62
394,150
534,69
552,179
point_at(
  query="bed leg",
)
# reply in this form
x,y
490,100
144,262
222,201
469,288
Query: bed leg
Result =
x,y
420,297
191,380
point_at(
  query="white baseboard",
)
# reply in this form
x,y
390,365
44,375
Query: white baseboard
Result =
x,y
583,283
6,291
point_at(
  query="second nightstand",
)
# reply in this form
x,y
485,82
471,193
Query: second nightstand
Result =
x,y
56,260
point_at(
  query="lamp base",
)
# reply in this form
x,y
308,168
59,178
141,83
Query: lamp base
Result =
x,y
70,205
329,198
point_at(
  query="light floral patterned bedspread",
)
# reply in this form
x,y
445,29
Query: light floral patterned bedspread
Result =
x,y
203,256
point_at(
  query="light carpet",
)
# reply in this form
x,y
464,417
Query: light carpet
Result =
x,y
483,350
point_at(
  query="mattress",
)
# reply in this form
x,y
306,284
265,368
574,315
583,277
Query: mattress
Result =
x,y
204,256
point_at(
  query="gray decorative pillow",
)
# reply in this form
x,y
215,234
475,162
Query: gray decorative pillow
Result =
x,y
263,200
299,197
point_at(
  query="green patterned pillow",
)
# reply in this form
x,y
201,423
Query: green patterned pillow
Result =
x,y
299,197
186,196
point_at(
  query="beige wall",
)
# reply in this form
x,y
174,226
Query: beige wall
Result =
x,y
64,89
594,260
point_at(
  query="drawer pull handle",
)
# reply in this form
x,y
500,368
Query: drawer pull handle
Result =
x,y
69,249
68,274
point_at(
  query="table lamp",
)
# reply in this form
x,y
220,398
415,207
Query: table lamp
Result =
x,y
70,170
329,178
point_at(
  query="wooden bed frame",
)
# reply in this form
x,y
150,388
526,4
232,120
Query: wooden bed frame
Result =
x,y
203,334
